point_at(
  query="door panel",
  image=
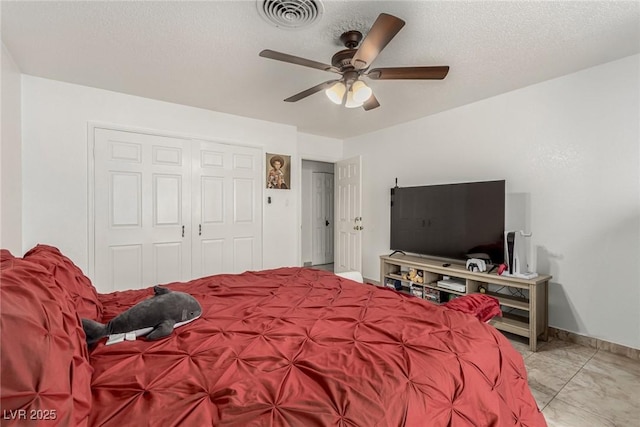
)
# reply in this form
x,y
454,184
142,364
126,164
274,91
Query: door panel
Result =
x,y
349,216
125,151
167,259
212,196
241,247
211,256
227,235
140,208
125,264
244,161
167,156
244,200
125,191
167,199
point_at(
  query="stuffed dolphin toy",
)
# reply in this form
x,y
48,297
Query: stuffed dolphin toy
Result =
x,y
155,318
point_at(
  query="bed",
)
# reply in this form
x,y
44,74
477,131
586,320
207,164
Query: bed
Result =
x,y
280,347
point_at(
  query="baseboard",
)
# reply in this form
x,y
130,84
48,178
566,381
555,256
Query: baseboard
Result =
x,y
631,353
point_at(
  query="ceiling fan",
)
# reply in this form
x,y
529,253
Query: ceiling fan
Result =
x,y
353,63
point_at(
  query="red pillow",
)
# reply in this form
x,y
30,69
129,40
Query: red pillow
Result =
x,y
46,375
71,278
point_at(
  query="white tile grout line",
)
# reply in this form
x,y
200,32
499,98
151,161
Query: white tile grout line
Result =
x,y
568,381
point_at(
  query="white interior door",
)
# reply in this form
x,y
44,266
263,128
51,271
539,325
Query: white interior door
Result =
x,y
142,196
322,222
227,215
348,187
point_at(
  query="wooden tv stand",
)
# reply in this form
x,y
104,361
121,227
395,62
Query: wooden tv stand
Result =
x,y
527,297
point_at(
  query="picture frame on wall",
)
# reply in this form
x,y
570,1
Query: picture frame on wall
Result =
x,y
278,171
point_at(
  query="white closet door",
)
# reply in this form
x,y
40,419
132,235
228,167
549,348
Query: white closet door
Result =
x,y
227,213
142,197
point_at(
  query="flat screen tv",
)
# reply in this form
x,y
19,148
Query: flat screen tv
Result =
x,y
450,221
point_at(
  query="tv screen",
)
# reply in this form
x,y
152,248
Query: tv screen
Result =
x,y
450,221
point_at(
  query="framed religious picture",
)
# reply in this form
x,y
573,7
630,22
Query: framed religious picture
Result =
x,y
278,171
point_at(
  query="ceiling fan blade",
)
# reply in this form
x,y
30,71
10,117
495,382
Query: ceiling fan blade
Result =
x,y
417,73
284,57
382,31
311,91
371,103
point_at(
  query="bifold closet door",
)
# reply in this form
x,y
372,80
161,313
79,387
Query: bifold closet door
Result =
x,y
142,212
227,214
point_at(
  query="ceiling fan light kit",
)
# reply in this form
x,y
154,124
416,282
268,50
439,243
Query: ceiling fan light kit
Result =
x,y
361,92
353,64
336,93
350,102
357,95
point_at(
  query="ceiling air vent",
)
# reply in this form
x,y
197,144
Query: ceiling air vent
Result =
x,y
290,14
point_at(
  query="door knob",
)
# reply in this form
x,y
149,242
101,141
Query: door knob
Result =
x,y
326,222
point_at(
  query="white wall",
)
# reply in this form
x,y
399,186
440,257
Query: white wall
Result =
x,y
569,151
11,157
320,148
55,117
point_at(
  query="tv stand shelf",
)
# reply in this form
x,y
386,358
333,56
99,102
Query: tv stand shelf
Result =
x,y
524,302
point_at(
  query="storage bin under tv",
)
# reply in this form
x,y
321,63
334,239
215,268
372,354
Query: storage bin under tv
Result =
x,y
524,302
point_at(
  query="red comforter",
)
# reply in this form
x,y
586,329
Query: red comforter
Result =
x,y
301,347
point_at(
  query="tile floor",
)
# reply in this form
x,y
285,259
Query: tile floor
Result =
x,y
579,386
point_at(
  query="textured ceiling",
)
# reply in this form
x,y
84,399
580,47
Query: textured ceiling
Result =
x,y
205,54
